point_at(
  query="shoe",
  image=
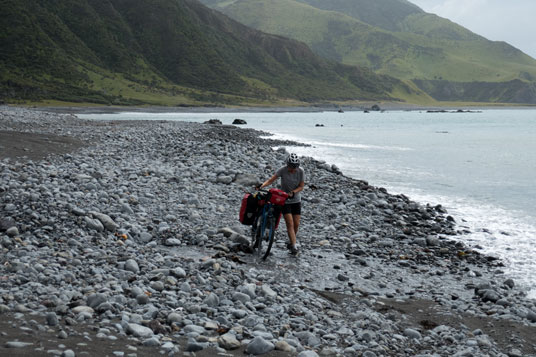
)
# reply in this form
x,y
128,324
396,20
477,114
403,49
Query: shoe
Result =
x,y
293,250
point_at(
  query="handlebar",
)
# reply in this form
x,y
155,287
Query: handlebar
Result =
x,y
266,191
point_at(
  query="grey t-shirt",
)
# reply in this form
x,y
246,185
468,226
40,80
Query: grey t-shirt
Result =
x,y
290,181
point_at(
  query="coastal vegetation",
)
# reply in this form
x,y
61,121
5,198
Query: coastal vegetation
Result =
x,y
166,52
397,38
181,53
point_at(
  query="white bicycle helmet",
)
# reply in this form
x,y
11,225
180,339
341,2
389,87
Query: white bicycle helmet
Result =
x,y
293,160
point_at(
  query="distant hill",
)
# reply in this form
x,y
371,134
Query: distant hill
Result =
x,y
171,52
397,38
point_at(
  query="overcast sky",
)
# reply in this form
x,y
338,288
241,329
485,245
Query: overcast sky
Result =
x,y
513,21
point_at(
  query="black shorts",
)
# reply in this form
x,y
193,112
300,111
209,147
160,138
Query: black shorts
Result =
x,y
292,208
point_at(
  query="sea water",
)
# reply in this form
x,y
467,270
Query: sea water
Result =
x,y
481,166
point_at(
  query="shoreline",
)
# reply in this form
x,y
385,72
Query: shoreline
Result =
x,y
298,109
373,266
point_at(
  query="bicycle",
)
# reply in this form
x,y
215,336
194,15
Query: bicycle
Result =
x,y
264,225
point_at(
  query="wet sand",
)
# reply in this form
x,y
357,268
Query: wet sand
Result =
x,y
22,146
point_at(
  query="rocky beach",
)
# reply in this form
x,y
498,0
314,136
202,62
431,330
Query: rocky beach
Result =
x,y
122,239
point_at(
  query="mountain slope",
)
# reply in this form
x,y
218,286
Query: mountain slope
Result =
x,y
396,38
166,52
385,14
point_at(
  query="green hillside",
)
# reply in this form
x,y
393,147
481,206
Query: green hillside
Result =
x,y
170,52
397,38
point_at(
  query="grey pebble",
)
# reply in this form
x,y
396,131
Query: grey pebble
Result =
x,y
18,344
173,189
52,319
68,353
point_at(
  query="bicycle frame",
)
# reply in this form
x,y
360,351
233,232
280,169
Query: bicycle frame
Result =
x,y
263,229
267,212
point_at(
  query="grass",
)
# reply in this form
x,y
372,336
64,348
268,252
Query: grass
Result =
x,y
426,47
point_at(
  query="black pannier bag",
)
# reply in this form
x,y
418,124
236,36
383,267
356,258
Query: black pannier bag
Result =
x,y
248,209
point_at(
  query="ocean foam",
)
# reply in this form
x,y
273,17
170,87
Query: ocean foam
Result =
x,y
505,234
279,136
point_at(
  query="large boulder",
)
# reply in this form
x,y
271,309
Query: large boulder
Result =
x,y
248,180
239,122
224,179
106,221
132,266
259,346
6,223
139,331
228,341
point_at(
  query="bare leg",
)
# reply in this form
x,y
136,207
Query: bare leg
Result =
x,y
291,230
296,220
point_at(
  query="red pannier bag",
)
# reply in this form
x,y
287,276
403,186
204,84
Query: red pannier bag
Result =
x,y
248,209
261,201
278,197
278,218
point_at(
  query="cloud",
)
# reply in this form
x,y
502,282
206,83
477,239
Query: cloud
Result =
x,y
459,8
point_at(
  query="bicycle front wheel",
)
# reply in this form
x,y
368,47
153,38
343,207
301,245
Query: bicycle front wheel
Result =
x,y
270,233
260,230
264,237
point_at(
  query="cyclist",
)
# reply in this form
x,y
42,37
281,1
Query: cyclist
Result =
x,y
292,182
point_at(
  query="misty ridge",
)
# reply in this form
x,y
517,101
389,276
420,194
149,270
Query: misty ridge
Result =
x,y
181,53
397,38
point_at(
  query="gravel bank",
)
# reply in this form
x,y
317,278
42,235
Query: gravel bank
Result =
x,y
133,237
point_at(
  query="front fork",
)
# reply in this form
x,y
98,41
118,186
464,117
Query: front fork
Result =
x,y
267,212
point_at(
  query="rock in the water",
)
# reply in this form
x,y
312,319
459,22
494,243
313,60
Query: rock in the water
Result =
x,y
510,283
